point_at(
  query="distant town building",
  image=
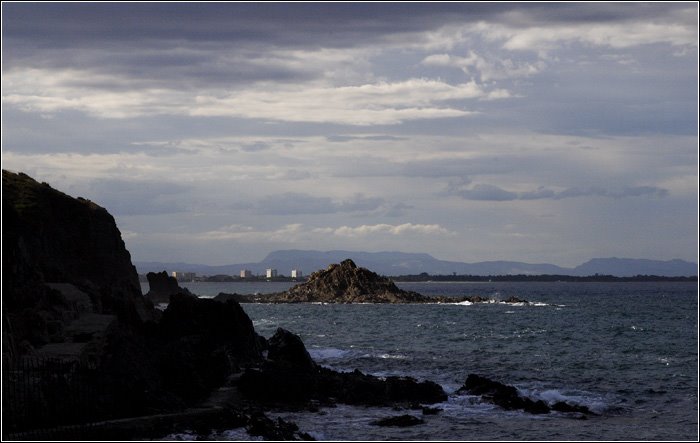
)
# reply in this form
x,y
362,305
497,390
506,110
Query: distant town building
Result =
x,y
184,276
296,273
271,273
245,273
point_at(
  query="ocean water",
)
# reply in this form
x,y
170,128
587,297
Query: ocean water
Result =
x,y
628,351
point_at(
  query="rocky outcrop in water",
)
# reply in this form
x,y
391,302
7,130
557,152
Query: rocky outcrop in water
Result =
x,y
291,377
508,397
348,283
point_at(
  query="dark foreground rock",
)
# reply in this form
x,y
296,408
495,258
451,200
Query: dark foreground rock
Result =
x,y
290,377
161,286
401,421
508,398
73,311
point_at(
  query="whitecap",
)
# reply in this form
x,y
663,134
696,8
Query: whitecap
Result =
x,y
550,396
327,353
393,356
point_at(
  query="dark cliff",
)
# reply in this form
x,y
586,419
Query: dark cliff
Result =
x,y
71,296
51,238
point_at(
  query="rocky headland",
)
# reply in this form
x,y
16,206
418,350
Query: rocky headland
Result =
x,y
73,311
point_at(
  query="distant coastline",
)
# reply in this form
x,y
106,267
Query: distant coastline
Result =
x,y
539,278
461,278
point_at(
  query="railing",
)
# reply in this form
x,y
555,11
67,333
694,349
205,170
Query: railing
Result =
x,y
41,394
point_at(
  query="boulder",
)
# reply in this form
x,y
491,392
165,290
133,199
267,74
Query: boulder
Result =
x,y
502,395
508,398
161,286
286,348
291,378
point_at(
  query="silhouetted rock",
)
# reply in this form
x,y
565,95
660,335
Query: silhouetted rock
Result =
x,y
507,397
290,377
71,295
161,286
61,257
287,349
401,421
202,342
260,425
502,395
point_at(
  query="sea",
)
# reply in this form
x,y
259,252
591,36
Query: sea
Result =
x,y
627,351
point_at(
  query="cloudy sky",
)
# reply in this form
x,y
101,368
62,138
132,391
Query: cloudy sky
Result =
x,y
216,133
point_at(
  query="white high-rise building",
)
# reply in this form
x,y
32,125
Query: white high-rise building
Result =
x,y
271,273
296,273
184,276
245,273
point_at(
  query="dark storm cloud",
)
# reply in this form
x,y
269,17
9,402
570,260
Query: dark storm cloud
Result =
x,y
286,24
57,24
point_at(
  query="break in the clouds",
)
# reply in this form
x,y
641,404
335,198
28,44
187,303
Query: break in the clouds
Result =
x,y
217,132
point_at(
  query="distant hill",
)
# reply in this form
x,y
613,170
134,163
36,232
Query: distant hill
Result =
x,y
402,263
626,267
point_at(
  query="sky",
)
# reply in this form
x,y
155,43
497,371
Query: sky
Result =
x,y
216,133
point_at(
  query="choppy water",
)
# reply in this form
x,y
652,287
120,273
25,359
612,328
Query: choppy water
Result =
x,y
628,351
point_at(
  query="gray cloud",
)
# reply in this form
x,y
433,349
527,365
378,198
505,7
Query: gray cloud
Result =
x,y
258,100
298,203
122,197
348,138
488,192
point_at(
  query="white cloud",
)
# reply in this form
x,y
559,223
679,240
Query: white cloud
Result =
x,y
368,104
487,69
297,232
382,228
46,91
614,35
286,234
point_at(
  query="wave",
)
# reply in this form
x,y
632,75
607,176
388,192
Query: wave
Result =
x,y
328,353
594,402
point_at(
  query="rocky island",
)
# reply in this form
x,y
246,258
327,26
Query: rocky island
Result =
x,y
346,282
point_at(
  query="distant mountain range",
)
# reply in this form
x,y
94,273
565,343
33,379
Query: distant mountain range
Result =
x,y
402,263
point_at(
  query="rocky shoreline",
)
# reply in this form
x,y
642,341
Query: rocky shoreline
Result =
x,y
71,298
